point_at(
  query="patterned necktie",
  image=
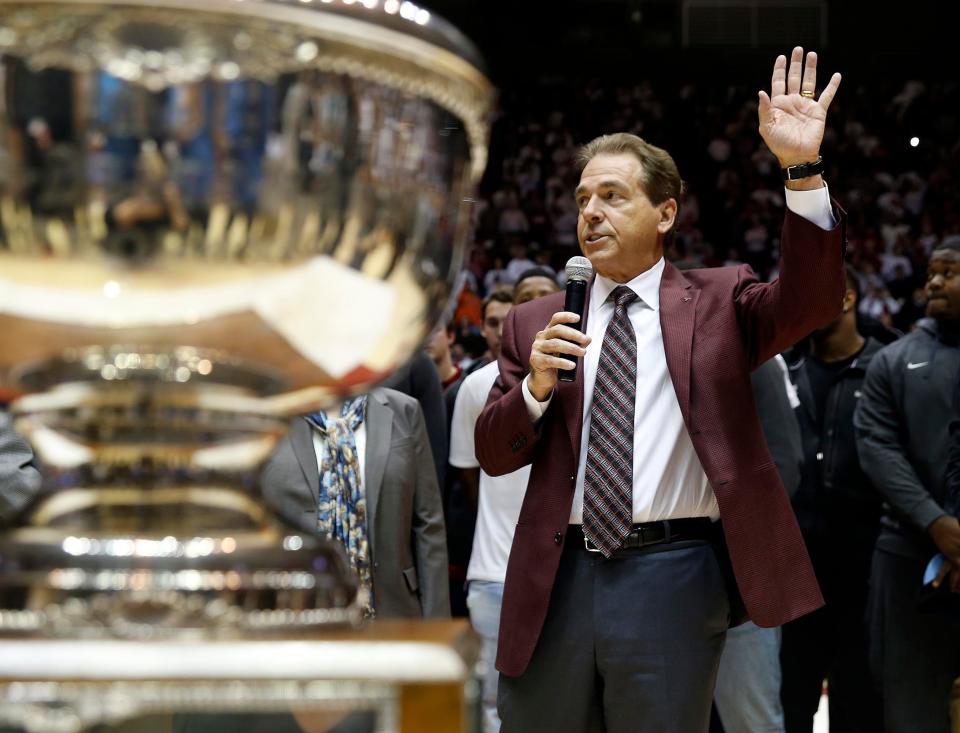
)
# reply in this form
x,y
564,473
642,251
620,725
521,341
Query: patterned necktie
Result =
x,y
608,484
342,508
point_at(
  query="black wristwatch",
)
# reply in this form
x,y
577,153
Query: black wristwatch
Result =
x,y
803,170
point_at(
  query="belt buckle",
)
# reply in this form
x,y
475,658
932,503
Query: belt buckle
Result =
x,y
645,543
587,544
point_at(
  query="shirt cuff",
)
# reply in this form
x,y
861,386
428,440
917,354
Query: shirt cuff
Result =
x,y
535,408
814,206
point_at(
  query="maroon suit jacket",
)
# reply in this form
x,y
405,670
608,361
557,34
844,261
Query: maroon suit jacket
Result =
x,y
718,325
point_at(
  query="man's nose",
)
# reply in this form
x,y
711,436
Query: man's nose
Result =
x,y
592,211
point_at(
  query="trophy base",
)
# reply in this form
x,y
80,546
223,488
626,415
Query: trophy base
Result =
x,y
141,563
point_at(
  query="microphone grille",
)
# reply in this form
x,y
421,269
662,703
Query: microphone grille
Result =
x,y
579,268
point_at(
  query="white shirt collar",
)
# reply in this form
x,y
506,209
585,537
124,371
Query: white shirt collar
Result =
x,y
646,285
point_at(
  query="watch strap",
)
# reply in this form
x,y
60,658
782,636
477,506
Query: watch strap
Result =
x,y
803,170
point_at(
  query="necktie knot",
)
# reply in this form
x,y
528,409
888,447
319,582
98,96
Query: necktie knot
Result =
x,y
622,296
351,416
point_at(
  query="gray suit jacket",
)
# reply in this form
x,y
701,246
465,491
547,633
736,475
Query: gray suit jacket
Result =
x,y
779,423
19,478
404,512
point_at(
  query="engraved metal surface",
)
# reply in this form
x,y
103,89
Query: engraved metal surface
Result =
x,y
286,187
213,216
61,582
70,707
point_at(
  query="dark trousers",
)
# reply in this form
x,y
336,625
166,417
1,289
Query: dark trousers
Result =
x,y
831,644
629,645
828,644
914,655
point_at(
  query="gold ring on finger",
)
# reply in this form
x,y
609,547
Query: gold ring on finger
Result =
x,y
808,93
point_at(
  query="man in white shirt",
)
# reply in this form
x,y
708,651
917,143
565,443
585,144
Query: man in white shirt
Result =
x,y
616,602
498,507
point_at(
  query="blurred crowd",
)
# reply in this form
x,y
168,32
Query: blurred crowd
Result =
x,y
891,153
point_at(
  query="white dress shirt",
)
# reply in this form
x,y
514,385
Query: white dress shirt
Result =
x,y
668,480
500,496
359,437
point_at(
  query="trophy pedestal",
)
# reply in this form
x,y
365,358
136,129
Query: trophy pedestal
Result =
x,y
403,676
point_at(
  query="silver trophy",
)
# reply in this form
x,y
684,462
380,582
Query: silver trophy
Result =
x,y
213,216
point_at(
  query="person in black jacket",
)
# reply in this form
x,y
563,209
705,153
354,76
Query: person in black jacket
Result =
x,y
952,500
902,439
419,379
838,511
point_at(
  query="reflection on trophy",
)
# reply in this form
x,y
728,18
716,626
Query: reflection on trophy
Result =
x,y
213,216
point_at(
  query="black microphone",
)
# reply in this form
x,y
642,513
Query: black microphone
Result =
x,y
579,272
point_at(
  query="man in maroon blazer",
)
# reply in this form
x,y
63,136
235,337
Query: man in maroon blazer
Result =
x,y
616,605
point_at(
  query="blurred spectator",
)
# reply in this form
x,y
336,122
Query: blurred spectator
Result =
x,y
469,308
895,264
879,305
496,276
494,309
450,373
519,262
512,218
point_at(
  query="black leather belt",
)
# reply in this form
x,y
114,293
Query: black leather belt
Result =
x,y
663,532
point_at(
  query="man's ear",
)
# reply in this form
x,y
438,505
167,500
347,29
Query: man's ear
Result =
x,y
668,214
849,300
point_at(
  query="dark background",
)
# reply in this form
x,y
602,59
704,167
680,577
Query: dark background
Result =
x,y
523,41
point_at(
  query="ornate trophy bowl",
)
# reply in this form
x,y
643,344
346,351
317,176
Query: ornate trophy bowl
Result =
x,y
213,217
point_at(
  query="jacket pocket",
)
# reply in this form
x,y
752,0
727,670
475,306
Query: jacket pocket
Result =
x,y
410,575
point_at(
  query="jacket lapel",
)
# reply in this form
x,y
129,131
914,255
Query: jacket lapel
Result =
x,y
678,310
301,438
570,394
379,425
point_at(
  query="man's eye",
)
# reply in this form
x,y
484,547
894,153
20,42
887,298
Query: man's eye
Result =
x,y
612,195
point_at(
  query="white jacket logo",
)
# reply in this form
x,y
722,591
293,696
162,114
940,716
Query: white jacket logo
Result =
x,y
919,364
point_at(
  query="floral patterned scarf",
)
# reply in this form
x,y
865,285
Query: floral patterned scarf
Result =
x,y
342,509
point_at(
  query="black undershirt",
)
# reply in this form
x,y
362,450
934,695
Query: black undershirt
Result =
x,y
822,375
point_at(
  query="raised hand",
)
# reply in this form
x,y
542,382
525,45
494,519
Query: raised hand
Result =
x,y
791,118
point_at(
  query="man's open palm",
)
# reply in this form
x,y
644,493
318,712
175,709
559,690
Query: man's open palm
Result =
x,y
792,124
